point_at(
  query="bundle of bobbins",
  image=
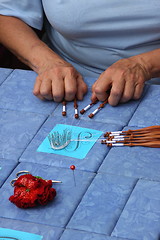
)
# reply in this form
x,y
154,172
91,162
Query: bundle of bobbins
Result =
x,y
145,137
76,114
92,114
64,111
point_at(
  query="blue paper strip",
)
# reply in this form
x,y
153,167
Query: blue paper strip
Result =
x,y
82,140
10,234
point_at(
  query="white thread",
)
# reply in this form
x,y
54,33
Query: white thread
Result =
x,y
76,111
87,107
118,138
110,141
95,111
116,132
117,144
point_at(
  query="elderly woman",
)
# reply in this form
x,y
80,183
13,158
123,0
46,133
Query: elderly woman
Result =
x,y
116,42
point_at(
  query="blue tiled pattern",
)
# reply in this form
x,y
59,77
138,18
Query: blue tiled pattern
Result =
x,y
17,93
120,114
138,162
133,162
80,235
102,204
92,160
148,112
58,212
6,167
16,131
4,73
140,218
120,202
48,232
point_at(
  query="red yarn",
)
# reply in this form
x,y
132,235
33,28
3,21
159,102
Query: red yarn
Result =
x,y
31,191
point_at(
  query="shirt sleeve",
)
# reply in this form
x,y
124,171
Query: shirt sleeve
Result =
x,y
29,11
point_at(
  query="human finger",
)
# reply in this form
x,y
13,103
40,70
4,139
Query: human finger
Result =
x,y
128,91
36,89
94,97
116,91
138,91
46,89
57,88
81,88
70,86
100,87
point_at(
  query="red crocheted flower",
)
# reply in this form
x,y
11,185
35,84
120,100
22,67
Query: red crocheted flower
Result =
x,y
30,191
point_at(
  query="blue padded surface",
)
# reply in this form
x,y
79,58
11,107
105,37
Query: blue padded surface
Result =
x,y
102,204
92,160
4,73
6,167
138,162
120,202
56,213
148,112
48,232
140,218
16,93
80,235
120,114
89,81
16,131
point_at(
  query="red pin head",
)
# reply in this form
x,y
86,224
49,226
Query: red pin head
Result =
x,y
72,167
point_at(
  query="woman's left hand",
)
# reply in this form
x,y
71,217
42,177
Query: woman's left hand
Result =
x,y
124,80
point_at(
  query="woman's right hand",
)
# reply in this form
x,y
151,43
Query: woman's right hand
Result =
x,y
56,79
59,81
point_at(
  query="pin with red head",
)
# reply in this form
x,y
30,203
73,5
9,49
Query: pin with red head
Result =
x,y
72,167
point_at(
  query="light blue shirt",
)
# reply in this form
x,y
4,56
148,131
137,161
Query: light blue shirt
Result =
x,y
92,35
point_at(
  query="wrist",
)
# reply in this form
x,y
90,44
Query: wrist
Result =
x,y
43,58
150,61
144,65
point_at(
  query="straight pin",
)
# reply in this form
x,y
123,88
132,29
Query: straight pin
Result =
x,y
72,167
55,181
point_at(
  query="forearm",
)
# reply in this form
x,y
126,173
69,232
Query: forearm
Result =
x,y
21,40
151,61
56,79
